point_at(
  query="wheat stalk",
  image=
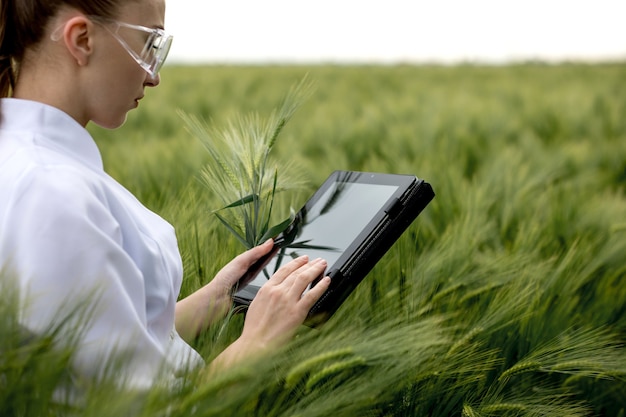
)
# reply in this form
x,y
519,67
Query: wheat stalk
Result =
x,y
239,170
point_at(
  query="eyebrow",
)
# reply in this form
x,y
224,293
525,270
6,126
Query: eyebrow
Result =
x,y
160,25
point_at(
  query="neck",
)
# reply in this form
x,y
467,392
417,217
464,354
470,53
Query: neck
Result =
x,y
51,84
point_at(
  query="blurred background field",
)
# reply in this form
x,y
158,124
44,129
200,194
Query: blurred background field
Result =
x,y
507,296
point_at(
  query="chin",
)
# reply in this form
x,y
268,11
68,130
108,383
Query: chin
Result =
x,y
112,123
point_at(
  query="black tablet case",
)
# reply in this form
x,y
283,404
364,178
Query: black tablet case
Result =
x,y
357,260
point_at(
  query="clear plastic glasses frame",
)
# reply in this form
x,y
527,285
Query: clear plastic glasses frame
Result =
x,y
155,49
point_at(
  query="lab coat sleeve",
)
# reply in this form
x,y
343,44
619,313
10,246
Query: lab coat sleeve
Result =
x,y
65,248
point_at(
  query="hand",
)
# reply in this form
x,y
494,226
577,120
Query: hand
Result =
x,y
228,276
211,302
280,305
277,310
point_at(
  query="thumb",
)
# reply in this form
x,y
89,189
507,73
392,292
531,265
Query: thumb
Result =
x,y
249,263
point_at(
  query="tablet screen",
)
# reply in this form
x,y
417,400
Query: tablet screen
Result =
x,y
328,227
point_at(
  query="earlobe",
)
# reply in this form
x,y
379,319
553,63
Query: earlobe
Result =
x,y
78,38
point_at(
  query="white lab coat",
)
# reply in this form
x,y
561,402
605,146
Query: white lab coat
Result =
x,y
67,230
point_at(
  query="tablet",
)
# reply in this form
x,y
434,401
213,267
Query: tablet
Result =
x,y
351,221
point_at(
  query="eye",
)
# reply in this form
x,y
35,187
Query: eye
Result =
x,y
157,42
152,44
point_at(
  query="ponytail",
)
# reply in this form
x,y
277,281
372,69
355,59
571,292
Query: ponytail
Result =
x,y
7,76
7,37
7,79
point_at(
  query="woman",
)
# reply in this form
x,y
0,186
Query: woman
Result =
x,y
68,231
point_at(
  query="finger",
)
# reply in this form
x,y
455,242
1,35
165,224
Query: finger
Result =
x,y
249,257
257,252
314,294
258,265
286,270
242,263
300,280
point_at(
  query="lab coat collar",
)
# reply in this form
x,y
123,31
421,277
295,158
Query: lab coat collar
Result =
x,y
51,128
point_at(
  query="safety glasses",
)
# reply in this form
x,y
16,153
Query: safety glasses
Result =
x,y
155,49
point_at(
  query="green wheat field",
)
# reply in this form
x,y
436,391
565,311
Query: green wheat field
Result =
x,y
506,297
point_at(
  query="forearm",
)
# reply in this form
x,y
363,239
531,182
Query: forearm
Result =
x,y
198,311
240,351
278,309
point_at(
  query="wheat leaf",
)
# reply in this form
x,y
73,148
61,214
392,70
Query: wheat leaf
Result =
x,y
275,230
233,231
244,200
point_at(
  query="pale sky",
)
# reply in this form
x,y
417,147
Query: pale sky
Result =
x,y
445,31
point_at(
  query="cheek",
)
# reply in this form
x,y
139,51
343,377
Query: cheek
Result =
x,y
116,99
119,94
115,81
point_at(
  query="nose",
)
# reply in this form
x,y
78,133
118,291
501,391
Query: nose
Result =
x,y
152,81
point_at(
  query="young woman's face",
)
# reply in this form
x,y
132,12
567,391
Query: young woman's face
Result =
x,y
118,82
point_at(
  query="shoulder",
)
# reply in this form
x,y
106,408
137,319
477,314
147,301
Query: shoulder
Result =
x,y
50,184
56,200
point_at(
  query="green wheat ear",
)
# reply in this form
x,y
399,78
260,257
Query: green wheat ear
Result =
x,y
308,366
522,367
468,411
503,408
239,171
465,339
333,370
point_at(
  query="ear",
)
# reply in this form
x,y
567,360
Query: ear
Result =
x,y
78,37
